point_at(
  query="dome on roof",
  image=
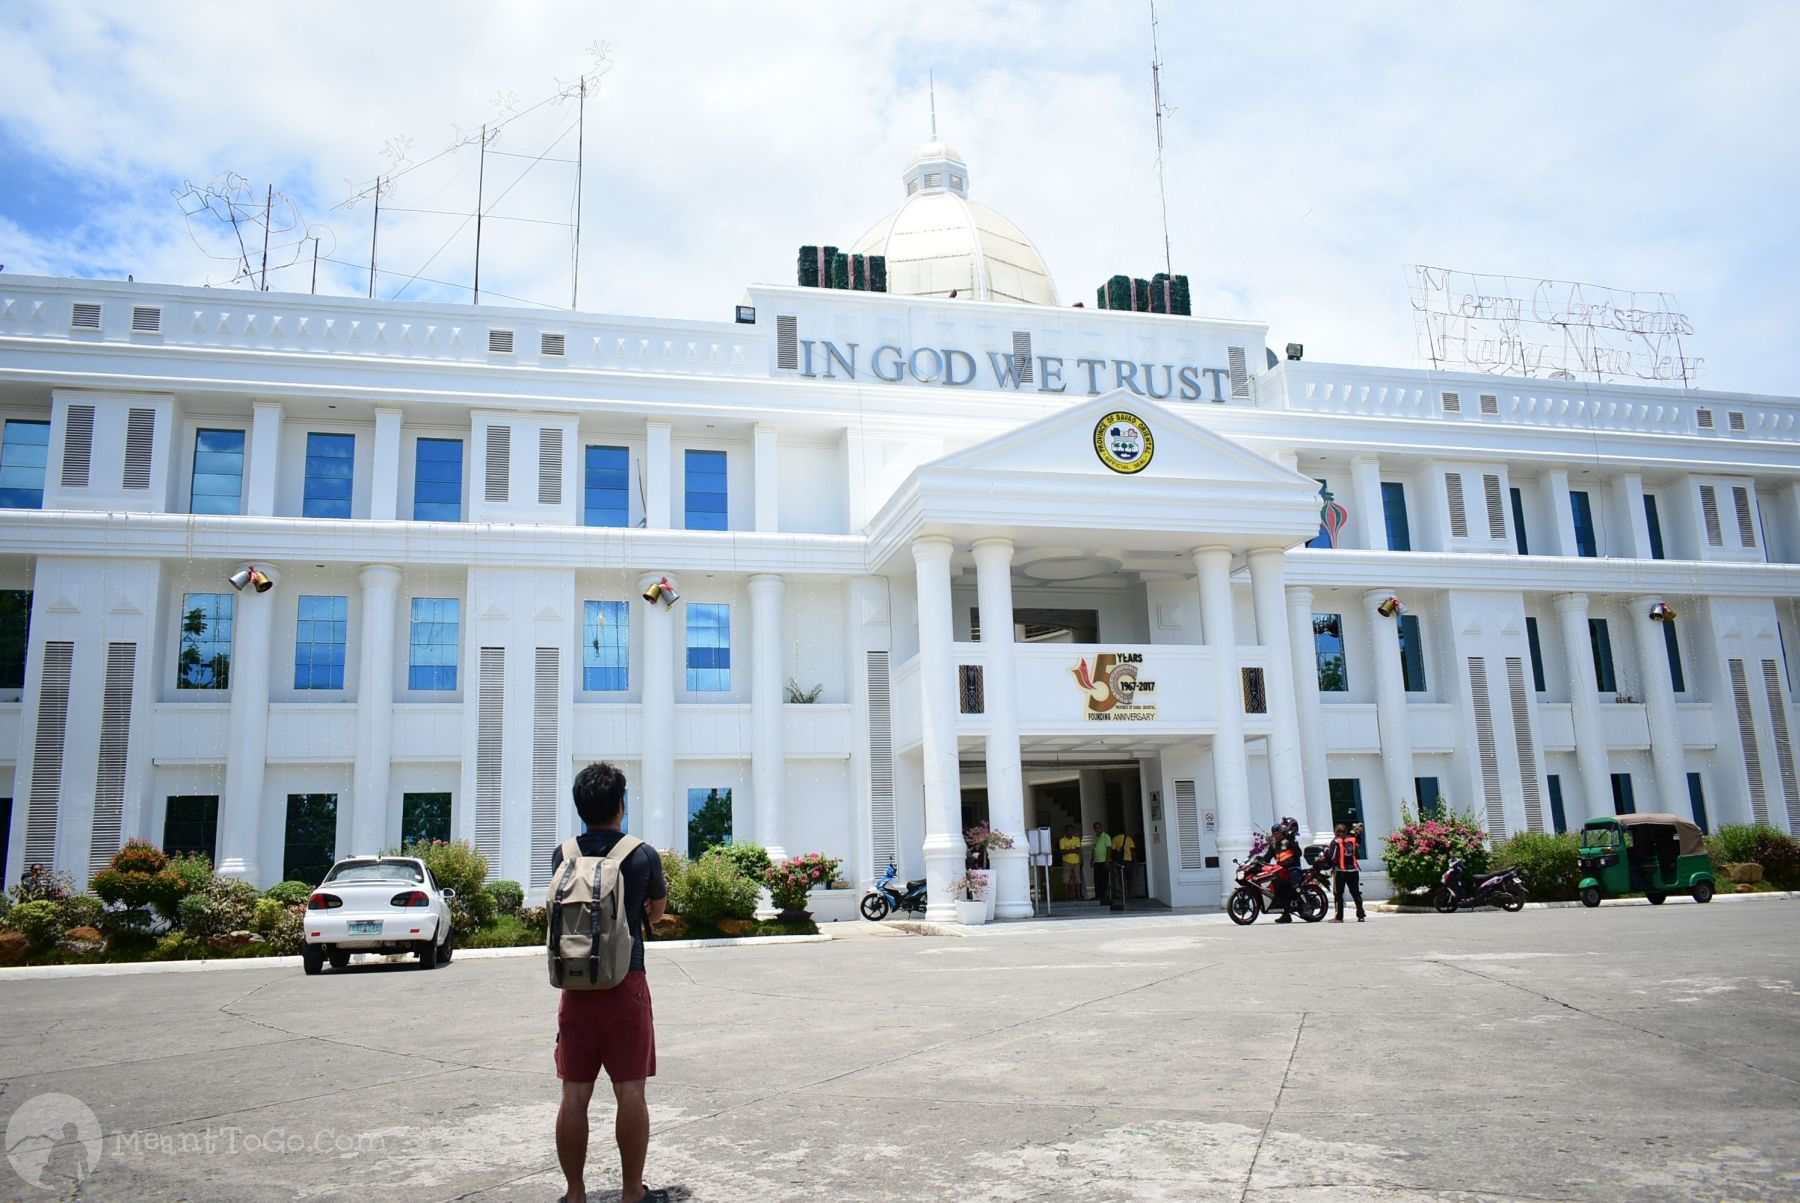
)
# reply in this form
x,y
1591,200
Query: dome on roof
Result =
x,y
939,241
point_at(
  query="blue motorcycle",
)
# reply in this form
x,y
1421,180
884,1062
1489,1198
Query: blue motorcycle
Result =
x,y
884,898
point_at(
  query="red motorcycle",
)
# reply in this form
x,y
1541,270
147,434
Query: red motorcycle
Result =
x,y
1255,892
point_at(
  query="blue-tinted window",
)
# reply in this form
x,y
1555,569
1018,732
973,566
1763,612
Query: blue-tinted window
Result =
x,y
709,819
1653,523
330,468
1328,646
606,647
705,490
432,647
1518,509
319,636
218,485
1624,801
1672,645
708,648
1537,654
1427,793
24,451
204,661
1583,511
1393,508
606,493
1412,654
1558,819
1697,798
1601,641
437,480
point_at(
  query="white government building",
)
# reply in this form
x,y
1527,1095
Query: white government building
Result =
x,y
458,510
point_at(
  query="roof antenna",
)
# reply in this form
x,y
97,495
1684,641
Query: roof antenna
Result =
x,y
931,82
1156,93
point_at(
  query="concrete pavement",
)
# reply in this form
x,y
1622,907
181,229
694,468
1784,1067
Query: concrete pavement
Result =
x,y
1626,1053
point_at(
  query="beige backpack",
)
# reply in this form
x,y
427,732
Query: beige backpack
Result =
x,y
590,934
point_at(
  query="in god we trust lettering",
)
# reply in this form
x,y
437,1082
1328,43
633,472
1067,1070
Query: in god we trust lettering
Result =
x,y
952,367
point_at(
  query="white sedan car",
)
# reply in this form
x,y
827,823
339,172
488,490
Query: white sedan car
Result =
x,y
383,904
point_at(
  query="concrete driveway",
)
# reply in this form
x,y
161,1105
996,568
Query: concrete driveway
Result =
x,y
1626,1053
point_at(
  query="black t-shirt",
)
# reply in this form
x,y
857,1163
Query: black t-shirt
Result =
x,y
643,880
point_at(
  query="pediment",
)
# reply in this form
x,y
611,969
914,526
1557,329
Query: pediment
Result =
x,y
1181,448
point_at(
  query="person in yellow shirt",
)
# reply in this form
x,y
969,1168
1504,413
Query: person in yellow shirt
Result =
x,y
1124,850
1070,844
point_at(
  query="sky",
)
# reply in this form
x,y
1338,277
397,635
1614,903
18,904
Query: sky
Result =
x,y
1312,151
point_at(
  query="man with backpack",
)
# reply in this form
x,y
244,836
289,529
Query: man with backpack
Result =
x,y
606,889
1345,872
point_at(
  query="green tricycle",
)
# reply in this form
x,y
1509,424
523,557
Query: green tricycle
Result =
x,y
1657,855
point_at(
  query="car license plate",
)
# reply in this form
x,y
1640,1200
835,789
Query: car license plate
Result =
x,y
370,927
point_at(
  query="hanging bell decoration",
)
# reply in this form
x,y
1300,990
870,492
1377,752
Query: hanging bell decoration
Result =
x,y
1390,607
1662,612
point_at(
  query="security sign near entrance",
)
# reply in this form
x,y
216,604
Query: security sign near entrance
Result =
x,y
1122,441
1115,687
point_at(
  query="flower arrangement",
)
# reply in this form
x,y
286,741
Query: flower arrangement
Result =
x,y
790,881
1418,852
970,887
983,839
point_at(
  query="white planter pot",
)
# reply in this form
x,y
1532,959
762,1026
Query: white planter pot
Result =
x,y
971,912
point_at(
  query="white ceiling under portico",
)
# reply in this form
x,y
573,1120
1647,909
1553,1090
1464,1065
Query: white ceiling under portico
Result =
x,y
1071,516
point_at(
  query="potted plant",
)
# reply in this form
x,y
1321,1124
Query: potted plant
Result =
x,y
969,892
793,879
983,841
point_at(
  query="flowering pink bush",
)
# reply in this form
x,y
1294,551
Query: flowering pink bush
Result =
x,y
1417,853
789,881
982,839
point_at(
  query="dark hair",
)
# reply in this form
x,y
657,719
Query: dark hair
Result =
x,y
1343,829
599,793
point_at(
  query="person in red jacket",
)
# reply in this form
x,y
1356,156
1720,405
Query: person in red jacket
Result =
x,y
1286,858
1341,856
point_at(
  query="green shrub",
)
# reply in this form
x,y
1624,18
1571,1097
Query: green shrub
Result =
x,y
222,906
752,860
508,931
80,910
535,917
282,928
180,946
1550,864
508,896
38,884
791,881
1735,843
1780,858
1418,853
38,920
712,889
457,866
6,906
133,922
675,867
470,911
289,893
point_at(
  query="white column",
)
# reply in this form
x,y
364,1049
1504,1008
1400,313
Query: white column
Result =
x,y
1231,777
384,492
944,848
1555,483
767,477
247,733
265,454
1287,784
1633,528
1368,521
369,800
1591,761
1667,755
654,795
1304,665
768,755
659,468
1005,780
1390,708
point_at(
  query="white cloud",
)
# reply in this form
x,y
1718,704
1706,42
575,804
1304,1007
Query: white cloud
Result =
x,y
1311,154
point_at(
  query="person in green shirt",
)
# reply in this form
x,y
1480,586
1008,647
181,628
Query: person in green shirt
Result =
x,y
1102,847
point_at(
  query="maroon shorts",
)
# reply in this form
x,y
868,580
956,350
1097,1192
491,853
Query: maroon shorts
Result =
x,y
607,1029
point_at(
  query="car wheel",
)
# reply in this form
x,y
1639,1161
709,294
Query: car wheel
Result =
x,y
1703,891
427,952
446,948
340,960
1590,896
312,960
1656,897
